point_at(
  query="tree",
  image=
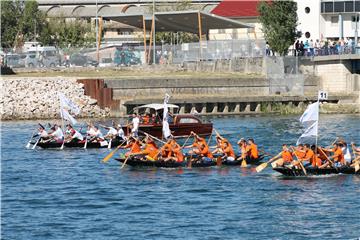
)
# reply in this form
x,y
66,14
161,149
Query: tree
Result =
x,y
279,21
10,15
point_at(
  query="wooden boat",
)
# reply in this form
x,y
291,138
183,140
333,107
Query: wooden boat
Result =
x,y
142,162
291,172
80,144
238,162
181,125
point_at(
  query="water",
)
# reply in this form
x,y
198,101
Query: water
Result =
x,y
69,194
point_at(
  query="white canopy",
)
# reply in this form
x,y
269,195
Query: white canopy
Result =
x,y
156,106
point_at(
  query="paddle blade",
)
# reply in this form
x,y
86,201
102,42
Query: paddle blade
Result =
x,y
28,145
357,166
243,163
107,158
261,167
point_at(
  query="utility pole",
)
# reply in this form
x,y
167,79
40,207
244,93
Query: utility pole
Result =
x,y
97,32
154,44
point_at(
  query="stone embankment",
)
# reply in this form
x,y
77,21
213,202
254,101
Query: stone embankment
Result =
x,y
37,98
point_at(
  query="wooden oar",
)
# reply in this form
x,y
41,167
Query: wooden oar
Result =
x,y
186,140
109,146
327,158
243,163
263,165
32,136
301,165
62,145
107,158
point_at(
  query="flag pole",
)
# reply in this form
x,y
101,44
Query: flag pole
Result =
x,y
317,125
62,121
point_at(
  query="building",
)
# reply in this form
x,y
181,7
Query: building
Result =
x,y
318,19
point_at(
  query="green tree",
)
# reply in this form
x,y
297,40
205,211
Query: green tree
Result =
x,y
10,15
279,21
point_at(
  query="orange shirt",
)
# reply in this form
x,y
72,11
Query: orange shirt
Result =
x,y
205,152
178,154
252,151
150,150
286,156
339,156
299,154
229,151
309,155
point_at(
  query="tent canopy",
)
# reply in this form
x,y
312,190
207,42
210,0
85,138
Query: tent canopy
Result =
x,y
185,21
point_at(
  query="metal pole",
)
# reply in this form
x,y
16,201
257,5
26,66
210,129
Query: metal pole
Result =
x,y
97,32
357,18
154,32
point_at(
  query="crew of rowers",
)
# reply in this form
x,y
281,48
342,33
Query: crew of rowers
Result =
x,y
199,149
311,156
93,133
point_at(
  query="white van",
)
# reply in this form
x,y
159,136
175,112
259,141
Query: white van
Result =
x,y
47,56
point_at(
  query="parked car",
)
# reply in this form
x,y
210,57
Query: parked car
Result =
x,y
14,61
82,60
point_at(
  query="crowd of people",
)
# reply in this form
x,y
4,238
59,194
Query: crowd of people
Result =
x,y
318,47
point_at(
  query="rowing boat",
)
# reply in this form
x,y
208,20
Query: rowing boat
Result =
x,y
143,162
80,144
254,162
292,172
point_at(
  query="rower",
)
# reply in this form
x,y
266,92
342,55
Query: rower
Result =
x,y
218,147
299,151
120,133
317,160
73,135
228,151
175,153
356,152
42,133
57,133
309,156
338,155
98,136
344,148
242,145
151,150
196,144
284,158
205,153
166,149
251,150
112,132
134,145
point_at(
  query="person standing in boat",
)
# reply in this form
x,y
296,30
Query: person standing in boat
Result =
x,y
135,125
283,158
57,133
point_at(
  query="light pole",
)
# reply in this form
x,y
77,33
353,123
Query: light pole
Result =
x,y
357,19
154,44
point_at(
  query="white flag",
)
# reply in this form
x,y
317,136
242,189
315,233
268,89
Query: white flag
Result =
x,y
309,134
65,102
66,115
311,114
165,127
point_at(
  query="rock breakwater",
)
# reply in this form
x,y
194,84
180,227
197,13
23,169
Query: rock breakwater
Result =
x,y
37,98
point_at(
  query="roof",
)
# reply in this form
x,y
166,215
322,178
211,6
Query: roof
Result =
x,y
156,106
237,8
186,21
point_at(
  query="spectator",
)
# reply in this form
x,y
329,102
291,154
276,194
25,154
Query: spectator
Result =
x,y
297,48
302,48
317,47
311,48
267,49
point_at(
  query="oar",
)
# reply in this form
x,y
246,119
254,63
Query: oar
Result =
x,y
263,165
210,137
36,143
62,145
186,140
327,158
152,136
32,136
243,163
109,146
301,165
86,141
107,158
124,163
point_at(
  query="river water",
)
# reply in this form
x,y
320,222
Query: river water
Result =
x,y
69,194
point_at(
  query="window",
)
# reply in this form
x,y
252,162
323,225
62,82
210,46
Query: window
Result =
x,y
349,6
307,35
188,120
357,6
339,6
328,7
307,10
